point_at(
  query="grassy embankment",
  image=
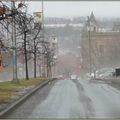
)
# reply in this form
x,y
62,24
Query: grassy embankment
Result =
x,y
8,89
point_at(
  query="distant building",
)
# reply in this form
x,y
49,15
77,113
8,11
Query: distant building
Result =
x,y
116,27
94,26
105,50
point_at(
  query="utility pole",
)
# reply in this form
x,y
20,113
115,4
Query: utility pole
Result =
x,y
15,78
43,56
90,64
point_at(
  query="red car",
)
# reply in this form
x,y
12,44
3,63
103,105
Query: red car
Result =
x,y
60,77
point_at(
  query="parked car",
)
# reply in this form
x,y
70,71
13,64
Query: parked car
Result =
x,y
60,77
73,77
105,73
92,75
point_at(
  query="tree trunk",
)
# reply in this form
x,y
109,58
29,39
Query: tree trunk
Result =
x,y
26,62
35,63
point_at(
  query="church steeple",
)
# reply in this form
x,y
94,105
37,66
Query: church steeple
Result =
x,y
92,17
93,23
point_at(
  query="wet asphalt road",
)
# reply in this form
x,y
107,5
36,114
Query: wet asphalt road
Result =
x,y
71,99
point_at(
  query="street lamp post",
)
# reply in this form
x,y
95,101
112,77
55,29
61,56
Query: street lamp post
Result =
x,y
43,36
15,78
90,64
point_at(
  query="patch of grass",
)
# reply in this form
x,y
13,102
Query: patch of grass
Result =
x,y
32,81
6,96
9,89
8,86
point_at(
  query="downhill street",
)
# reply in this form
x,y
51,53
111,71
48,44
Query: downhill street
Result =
x,y
71,99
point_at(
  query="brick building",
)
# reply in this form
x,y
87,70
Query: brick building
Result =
x,y
104,47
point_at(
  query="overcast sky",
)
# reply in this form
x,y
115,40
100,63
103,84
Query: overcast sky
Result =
x,y
77,8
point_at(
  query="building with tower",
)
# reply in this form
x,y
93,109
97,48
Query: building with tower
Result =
x,y
102,47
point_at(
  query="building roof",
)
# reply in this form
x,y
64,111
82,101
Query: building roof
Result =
x,y
92,17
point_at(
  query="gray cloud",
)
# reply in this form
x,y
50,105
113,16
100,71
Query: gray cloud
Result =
x,y
77,8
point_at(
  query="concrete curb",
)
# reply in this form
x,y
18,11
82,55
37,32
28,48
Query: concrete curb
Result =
x,y
22,99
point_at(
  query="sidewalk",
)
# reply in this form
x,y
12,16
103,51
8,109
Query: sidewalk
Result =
x,y
113,81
